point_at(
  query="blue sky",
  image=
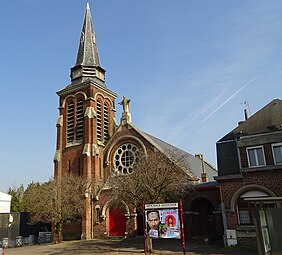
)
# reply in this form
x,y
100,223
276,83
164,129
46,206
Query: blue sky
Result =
x,y
187,66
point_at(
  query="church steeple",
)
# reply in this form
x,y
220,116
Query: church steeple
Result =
x,y
87,62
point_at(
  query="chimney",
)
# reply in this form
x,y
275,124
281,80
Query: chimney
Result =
x,y
246,114
246,117
204,177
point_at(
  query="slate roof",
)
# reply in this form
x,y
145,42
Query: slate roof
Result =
x,y
268,119
194,162
207,184
87,52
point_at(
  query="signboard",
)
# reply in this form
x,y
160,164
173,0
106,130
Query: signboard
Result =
x,y
162,220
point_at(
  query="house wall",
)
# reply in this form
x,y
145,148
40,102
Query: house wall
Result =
x,y
265,178
5,203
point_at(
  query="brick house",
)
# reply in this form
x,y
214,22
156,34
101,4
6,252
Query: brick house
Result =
x,y
250,166
91,143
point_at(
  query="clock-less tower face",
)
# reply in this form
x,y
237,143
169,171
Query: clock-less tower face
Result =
x,y
125,158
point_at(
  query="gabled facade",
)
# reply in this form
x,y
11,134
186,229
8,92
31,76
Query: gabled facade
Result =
x,y
91,144
250,166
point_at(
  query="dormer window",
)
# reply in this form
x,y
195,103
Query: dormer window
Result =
x,y
256,156
277,153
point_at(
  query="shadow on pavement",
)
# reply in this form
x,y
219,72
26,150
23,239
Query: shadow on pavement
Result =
x,y
165,246
130,246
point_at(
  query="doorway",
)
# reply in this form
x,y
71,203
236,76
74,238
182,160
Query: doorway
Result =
x,y
202,218
117,222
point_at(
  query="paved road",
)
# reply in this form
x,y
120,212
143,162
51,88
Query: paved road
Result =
x,y
131,246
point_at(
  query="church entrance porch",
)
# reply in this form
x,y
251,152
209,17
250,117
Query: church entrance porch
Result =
x,y
202,220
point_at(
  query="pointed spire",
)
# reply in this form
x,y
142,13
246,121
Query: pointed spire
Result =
x,y
87,51
87,62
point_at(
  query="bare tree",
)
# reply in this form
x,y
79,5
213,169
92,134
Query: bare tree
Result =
x,y
156,178
56,201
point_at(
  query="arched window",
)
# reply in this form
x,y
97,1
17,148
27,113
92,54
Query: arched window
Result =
x,y
244,208
98,212
99,120
106,123
125,157
79,120
103,120
75,121
70,122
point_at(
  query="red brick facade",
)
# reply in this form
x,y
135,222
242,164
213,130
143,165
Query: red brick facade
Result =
x,y
256,174
199,221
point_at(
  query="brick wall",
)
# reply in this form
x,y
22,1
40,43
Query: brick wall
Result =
x,y
271,179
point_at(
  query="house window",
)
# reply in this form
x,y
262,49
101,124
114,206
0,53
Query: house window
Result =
x,y
277,153
244,209
97,214
244,212
256,156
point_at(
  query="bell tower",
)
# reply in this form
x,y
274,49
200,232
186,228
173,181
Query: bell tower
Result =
x,y
86,119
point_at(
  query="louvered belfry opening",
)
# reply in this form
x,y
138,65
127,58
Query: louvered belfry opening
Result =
x,y
75,121
70,122
106,123
103,121
79,120
99,120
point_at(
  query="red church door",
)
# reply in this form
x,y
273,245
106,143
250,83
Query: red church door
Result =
x,y
116,222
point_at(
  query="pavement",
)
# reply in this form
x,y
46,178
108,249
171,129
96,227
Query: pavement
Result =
x,y
130,246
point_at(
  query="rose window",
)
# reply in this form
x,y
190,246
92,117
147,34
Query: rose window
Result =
x,y
125,158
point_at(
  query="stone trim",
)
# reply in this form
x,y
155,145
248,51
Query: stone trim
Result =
x,y
124,138
73,96
243,189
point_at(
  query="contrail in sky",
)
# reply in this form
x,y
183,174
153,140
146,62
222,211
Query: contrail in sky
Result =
x,y
8,156
229,98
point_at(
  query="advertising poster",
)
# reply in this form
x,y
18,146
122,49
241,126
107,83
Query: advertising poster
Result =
x,y
163,222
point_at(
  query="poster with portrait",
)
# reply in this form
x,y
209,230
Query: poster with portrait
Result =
x,y
169,226
163,220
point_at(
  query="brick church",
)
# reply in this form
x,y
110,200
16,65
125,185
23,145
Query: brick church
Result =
x,y
92,143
